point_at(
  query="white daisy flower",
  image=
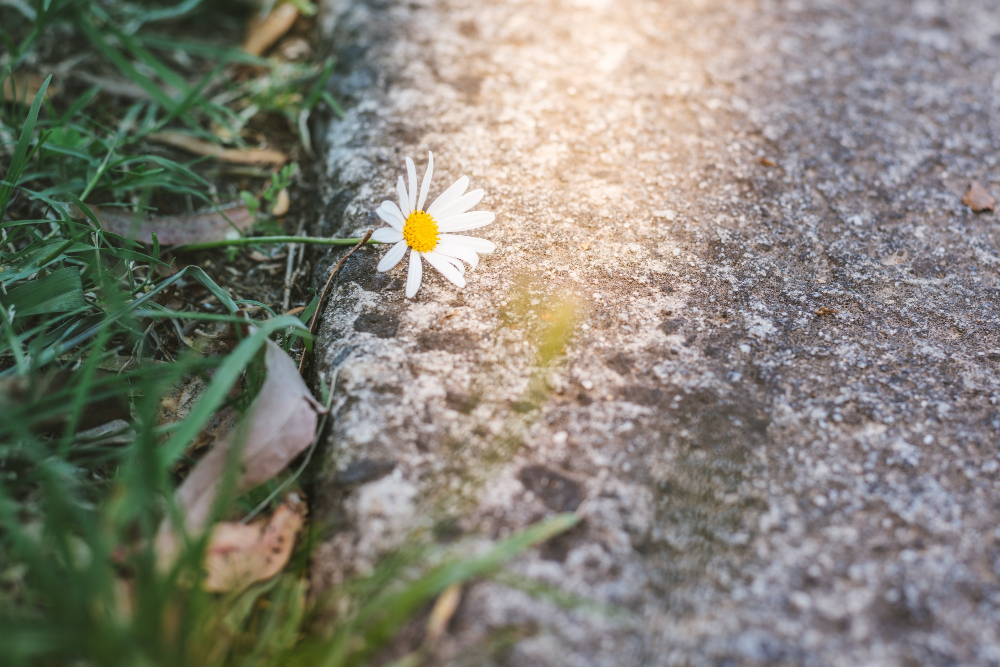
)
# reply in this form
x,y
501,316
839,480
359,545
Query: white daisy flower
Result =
x,y
428,233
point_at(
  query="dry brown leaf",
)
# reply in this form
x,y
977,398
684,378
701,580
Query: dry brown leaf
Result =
x,y
174,229
14,88
241,554
823,310
442,612
278,426
282,203
263,34
978,198
258,256
234,155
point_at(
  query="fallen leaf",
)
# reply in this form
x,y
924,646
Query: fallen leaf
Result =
x,y
175,229
272,269
233,155
442,612
23,88
978,198
262,34
258,256
241,554
823,310
281,204
279,424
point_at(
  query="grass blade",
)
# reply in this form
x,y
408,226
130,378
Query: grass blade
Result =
x,y
191,272
225,376
381,617
18,161
102,45
58,292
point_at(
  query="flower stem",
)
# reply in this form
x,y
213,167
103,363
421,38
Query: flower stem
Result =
x,y
263,240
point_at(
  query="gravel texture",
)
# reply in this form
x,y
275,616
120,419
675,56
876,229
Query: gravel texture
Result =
x,y
775,400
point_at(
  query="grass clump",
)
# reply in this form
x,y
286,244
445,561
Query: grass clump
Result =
x,y
98,331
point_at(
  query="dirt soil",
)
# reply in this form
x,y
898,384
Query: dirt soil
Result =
x,y
777,413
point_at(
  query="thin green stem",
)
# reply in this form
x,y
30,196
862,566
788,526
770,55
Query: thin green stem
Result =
x,y
7,324
263,240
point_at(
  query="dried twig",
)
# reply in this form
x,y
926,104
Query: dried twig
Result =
x,y
265,33
437,624
289,268
233,155
322,295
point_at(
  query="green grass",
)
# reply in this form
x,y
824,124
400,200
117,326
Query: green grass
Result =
x,y
87,471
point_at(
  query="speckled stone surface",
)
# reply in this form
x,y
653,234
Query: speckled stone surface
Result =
x,y
759,483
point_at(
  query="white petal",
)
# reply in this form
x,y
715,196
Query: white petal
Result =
x,y
404,199
453,261
460,205
387,235
462,252
411,171
414,275
389,212
482,246
427,181
466,221
446,268
448,196
391,258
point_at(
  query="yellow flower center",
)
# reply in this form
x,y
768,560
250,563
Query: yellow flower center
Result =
x,y
421,232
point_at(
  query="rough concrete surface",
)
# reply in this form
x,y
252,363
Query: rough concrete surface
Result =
x,y
759,483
